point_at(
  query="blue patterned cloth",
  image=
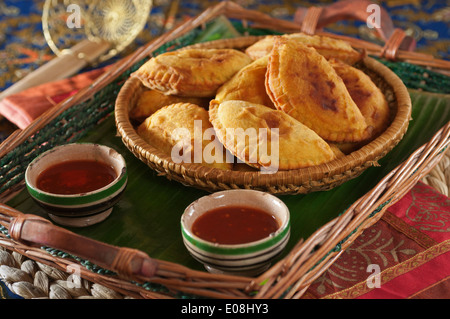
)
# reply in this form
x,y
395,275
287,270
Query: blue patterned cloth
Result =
x,y
5,293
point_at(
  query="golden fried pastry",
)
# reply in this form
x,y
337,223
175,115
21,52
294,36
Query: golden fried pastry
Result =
x,y
260,48
302,83
367,96
191,72
183,131
248,84
326,46
265,138
152,100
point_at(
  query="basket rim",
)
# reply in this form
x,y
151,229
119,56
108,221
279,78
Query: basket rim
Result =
x,y
332,172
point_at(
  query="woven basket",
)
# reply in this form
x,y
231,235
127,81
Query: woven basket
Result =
x,y
305,180
291,276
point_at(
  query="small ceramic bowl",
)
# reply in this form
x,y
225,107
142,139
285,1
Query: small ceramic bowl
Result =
x,y
247,259
82,209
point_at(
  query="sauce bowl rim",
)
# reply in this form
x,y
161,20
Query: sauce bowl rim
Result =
x,y
99,193
263,243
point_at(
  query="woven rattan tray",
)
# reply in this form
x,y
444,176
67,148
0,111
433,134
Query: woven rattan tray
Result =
x,y
315,178
289,278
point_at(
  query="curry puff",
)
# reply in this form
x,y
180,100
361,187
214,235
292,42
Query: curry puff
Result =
x,y
265,138
183,131
248,84
151,101
328,47
366,95
302,83
191,72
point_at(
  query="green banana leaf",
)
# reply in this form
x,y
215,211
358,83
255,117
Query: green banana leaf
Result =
x,y
148,216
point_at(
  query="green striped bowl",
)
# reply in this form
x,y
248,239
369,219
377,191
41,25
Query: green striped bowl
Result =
x,y
84,209
247,259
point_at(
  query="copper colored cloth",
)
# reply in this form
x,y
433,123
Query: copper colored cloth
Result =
x,y
24,107
410,241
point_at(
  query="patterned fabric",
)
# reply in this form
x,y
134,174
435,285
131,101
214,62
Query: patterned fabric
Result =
x,y
410,241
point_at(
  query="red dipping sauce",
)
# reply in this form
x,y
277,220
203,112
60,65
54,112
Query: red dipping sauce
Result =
x,y
75,177
234,225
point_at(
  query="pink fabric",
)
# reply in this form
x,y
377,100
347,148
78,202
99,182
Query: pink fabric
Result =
x,y
24,107
420,273
409,245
